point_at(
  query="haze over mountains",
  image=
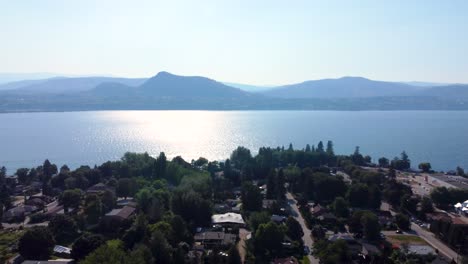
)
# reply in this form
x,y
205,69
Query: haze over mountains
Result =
x,y
169,91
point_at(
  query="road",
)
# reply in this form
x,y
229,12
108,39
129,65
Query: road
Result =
x,y
297,215
427,235
243,233
434,242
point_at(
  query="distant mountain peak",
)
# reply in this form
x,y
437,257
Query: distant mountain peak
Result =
x,y
353,78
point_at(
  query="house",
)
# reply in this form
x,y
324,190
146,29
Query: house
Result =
x,y
54,261
194,257
318,210
268,203
62,251
354,246
278,218
18,213
215,239
369,251
123,213
327,218
421,250
121,202
228,219
288,260
54,208
35,201
98,188
385,218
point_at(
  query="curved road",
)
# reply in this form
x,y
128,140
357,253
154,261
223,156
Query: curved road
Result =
x,y
297,215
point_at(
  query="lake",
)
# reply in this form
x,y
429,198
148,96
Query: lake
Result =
x,y
88,138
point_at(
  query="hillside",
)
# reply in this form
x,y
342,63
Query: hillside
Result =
x,y
346,87
170,85
65,85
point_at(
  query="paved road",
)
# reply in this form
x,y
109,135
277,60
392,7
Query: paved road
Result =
x,y
243,233
427,235
434,242
297,215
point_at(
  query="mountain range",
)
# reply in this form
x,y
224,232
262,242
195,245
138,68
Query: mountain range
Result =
x,y
169,91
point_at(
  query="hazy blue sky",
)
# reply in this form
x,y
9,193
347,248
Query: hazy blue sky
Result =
x,y
257,42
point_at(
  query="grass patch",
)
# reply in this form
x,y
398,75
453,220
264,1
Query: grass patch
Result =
x,y
305,260
406,239
7,240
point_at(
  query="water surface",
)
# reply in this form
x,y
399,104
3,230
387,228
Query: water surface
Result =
x,y
76,138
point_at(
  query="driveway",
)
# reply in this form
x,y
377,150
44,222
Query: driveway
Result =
x,y
297,215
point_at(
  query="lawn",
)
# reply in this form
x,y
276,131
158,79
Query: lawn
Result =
x,y
406,239
7,240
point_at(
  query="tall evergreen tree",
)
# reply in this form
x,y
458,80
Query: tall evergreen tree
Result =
x,y
330,150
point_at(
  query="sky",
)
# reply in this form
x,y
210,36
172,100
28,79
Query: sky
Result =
x,y
263,42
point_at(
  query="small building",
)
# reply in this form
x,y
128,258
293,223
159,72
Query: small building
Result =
x,y
214,239
123,213
228,219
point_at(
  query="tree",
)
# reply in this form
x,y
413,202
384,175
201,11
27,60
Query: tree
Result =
x,y
125,187
357,158
294,229
402,221
280,185
36,243
426,205
441,197
318,232
320,147
161,249
86,244
200,162
111,252
258,218
268,239
383,162
251,197
93,211
330,150
409,204
425,167
160,166
63,227
358,195
233,256
460,171
371,227
108,201
70,199
334,252
340,207
241,157
191,207
271,185
22,175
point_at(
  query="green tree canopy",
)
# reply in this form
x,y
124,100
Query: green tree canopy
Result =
x,y
36,243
